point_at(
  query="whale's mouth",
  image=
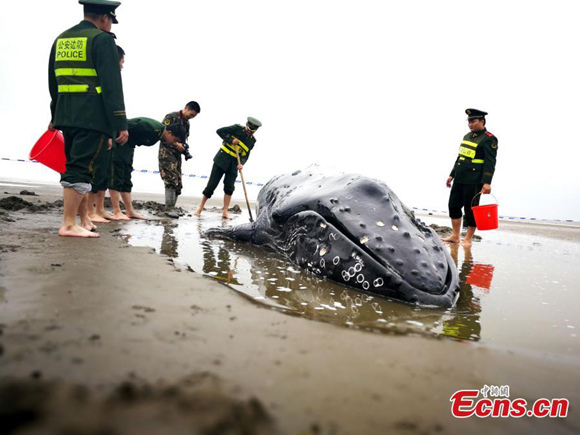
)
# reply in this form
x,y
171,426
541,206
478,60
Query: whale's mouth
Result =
x,y
417,268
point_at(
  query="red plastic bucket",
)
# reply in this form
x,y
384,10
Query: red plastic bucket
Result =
x,y
49,150
485,215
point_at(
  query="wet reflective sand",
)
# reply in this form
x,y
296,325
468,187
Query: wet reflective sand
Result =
x,y
517,291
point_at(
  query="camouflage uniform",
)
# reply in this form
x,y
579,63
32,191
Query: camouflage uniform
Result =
x,y
170,157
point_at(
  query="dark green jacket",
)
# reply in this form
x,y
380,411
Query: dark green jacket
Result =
x,y
475,163
104,112
226,158
142,131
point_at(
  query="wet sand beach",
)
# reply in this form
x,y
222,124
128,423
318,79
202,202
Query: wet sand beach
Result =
x,y
110,337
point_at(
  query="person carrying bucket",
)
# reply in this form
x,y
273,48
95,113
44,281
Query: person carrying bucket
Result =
x,y
87,104
471,174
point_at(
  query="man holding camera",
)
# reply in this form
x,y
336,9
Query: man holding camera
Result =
x,y
170,154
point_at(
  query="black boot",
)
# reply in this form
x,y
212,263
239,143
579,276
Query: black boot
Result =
x,y
170,200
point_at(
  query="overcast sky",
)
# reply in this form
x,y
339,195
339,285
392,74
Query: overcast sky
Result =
x,y
372,87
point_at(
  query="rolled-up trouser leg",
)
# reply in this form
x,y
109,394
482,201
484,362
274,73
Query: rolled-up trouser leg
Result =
x,y
229,182
455,201
170,198
470,191
214,179
81,188
460,197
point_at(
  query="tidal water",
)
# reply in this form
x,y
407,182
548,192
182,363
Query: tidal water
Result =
x,y
517,291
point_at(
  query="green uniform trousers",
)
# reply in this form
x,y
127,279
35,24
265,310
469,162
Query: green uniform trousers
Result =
x,y
122,168
461,196
84,150
102,172
216,175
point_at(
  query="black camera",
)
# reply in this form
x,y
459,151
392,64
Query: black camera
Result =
x,y
186,152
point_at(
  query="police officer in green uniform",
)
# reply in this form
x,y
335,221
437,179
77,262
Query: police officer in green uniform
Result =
x,y
142,131
471,174
87,104
170,155
226,162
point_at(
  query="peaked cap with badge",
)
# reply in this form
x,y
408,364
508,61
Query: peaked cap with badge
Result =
x,y
253,123
475,114
101,7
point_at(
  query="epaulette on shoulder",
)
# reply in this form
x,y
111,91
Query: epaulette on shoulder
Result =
x,y
489,134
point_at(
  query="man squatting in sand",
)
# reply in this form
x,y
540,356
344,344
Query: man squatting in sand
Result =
x,y
102,174
87,104
471,174
226,161
142,131
170,155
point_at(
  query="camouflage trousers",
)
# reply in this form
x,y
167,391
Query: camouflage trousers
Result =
x,y
170,170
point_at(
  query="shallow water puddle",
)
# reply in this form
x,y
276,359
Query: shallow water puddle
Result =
x,y
517,291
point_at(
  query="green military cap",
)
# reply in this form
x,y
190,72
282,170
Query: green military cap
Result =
x,y
475,114
253,123
101,7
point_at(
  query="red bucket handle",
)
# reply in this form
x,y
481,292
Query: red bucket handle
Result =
x,y
479,193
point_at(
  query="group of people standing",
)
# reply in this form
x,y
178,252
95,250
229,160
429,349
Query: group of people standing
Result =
x,y
87,104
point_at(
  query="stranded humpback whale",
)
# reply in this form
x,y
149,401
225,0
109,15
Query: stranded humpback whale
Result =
x,y
355,231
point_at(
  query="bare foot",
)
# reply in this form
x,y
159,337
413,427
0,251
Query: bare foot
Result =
x,y
121,217
105,215
96,218
135,215
450,239
197,213
88,225
76,231
466,243
226,217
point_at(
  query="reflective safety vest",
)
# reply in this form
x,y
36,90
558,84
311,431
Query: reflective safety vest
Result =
x,y
243,149
467,149
73,63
